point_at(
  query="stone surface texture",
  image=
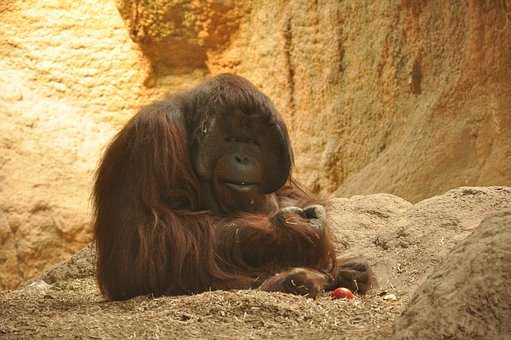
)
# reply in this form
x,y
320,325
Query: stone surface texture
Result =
x,y
467,296
411,98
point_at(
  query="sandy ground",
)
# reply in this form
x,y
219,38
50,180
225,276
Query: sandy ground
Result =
x,y
74,309
403,242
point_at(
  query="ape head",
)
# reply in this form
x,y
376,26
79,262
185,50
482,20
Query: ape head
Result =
x,y
239,145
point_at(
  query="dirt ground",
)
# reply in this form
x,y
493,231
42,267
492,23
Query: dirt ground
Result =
x,y
403,242
74,309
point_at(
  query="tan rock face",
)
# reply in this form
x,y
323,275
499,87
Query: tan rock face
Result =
x,y
409,98
69,75
180,33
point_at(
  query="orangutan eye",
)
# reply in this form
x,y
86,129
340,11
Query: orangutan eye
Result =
x,y
204,128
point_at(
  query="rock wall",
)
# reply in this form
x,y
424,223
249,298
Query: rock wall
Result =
x,y
69,75
405,97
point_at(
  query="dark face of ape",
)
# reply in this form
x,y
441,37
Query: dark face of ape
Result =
x,y
240,149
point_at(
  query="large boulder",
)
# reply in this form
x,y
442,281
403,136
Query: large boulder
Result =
x,y
468,296
404,241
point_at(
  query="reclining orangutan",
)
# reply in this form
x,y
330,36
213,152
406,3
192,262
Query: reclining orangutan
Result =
x,y
195,193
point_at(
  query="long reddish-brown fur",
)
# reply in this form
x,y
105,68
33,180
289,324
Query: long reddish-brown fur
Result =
x,y
152,235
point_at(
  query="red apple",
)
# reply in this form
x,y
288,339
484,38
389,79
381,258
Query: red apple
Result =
x,y
342,293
